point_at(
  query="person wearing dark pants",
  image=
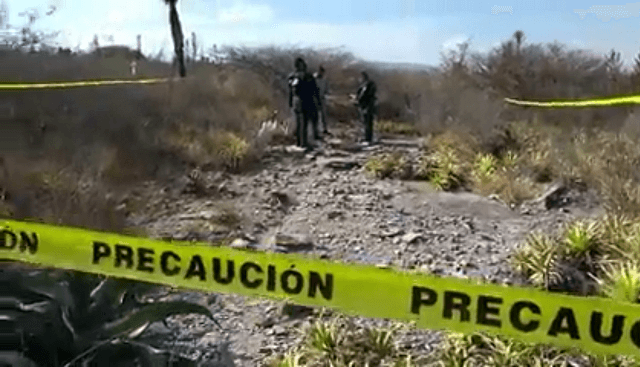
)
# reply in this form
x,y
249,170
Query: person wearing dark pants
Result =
x,y
366,102
303,119
367,120
323,90
304,100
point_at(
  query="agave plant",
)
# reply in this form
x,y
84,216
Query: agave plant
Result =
x,y
622,282
385,165
580,237
537,259
58,318
381,340
325,338
620,238
291,359
485,166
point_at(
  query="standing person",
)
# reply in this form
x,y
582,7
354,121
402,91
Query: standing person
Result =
x,y
366,102
133,66
323,90
304,100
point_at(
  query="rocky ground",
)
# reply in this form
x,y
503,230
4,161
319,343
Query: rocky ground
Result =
x,y
327,202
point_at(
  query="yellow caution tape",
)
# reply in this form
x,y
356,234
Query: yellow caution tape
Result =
x,y
82,83
597,325
592,102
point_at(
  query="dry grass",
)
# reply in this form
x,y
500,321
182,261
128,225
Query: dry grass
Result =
x,y
480,349
49,192
206,148
388,127
388,165
339,343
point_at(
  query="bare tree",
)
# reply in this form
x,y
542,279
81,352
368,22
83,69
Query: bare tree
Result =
x,y
95,44
635,73
455,62
613,65
25,37
176,33
613,62
518,36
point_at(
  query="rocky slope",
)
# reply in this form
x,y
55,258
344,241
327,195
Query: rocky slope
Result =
x,y
325,204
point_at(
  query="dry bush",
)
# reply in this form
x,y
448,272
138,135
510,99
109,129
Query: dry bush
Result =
x,y
61,122
391,128
127,121
469,86
400,94
608,162
52,192
389,165
274,64
271,66
447,160
221,97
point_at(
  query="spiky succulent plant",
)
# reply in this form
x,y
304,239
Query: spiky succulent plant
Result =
x,y
58,318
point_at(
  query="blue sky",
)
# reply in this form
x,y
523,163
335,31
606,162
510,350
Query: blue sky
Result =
x,y
413,31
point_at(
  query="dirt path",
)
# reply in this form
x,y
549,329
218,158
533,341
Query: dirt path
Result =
x,y
327,199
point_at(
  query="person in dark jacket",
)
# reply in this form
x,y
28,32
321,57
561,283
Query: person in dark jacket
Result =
x,y
366,103
304,100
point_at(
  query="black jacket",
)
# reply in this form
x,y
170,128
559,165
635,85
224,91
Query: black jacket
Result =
x,y
366,96
303,90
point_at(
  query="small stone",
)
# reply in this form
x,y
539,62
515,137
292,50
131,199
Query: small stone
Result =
x,y
267,349
267,322
210,338
340,164
240,243
487,238
294,311
334,214
449,258
391,233
411,237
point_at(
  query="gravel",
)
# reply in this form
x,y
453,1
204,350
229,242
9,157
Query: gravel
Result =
x,y
324,204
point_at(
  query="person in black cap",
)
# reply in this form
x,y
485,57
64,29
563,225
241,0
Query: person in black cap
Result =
x,y
366,103
304,100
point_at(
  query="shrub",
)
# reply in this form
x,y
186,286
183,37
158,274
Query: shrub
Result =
x,y
387,165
